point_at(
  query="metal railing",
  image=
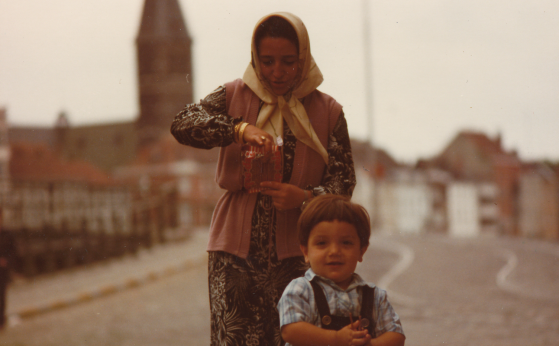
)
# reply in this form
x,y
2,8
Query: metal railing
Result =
x,y
52,226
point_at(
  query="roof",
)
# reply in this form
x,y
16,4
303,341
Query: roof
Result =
x,y
364,156
37,163
481,141
473,155
488,147
167,150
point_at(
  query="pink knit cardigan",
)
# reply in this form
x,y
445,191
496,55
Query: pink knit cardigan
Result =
x,y
231,222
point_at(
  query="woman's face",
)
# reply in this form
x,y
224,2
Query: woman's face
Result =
x,y
278,63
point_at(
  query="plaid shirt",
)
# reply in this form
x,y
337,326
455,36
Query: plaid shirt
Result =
x,y
297,303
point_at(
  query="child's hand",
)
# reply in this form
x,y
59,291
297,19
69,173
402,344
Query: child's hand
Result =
x,y
351,336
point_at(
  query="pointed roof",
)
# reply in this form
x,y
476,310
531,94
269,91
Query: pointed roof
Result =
x,y
162,19
62,121
486,148
483,142
473,155
376,161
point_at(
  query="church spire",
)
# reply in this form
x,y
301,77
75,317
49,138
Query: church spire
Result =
x,y
162,18
164,67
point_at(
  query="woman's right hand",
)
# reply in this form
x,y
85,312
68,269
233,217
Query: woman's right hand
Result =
x,y
258,137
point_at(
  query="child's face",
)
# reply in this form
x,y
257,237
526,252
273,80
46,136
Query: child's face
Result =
x,y
333,251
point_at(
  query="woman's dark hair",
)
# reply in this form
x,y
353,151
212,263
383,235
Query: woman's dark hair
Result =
x,y
327,208
276,27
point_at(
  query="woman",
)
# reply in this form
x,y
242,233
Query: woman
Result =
x,y
253,247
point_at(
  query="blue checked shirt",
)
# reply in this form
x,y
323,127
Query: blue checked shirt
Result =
x,y
297,304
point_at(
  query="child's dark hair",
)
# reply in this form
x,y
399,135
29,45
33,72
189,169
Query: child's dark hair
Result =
x,y
327,208
276,27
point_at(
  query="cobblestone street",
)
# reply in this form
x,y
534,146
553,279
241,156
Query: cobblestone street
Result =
x,y
485,291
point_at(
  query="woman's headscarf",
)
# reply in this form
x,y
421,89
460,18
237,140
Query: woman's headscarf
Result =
x,y
288,107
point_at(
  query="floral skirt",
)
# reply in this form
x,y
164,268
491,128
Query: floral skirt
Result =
x,y
244,292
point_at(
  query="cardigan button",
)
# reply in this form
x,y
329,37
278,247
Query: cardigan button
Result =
x,y
326,320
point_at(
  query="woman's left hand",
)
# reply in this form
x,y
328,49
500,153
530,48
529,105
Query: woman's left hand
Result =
x,y
284,196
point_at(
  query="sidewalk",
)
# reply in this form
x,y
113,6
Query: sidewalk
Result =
x,y
27,298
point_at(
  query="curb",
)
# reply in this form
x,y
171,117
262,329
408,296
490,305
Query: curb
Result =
x,y
106,290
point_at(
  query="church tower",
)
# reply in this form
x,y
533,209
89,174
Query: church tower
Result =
x,y
164,68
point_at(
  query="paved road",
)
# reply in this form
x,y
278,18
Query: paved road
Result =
x,y
483,291
172,311
447,292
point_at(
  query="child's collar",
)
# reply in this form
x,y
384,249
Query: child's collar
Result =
x,y
356,281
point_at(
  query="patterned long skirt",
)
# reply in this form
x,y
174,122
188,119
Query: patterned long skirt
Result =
x,y
244,292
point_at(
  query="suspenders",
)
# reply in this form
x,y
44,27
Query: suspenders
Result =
x,y
332,322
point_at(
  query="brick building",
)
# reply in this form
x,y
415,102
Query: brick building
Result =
x,y
538,202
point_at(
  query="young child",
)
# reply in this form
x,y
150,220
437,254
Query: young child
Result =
x,y
331,304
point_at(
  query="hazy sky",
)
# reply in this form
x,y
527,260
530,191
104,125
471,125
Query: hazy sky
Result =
x,y
437,66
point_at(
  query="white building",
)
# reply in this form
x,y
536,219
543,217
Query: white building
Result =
x,y
463,209
472,208
405,203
